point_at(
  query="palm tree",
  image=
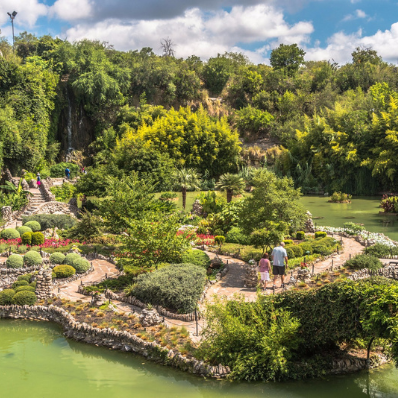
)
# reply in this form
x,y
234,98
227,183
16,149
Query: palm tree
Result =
x,y
232,183
185,179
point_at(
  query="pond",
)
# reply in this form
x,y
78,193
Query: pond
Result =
x,y
364,210
37,361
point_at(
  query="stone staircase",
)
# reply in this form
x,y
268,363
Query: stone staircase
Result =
x,y
34,202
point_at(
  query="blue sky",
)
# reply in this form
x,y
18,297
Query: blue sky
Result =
x,y
325,29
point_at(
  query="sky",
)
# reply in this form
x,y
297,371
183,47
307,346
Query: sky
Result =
x,y
325,29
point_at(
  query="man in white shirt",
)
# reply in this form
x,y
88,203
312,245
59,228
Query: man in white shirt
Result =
x,y
279,258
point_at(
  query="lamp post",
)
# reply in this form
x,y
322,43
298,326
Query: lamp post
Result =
x,y
12,17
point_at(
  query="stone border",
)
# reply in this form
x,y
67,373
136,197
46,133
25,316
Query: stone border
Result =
x,y
114,339
390,271
72,278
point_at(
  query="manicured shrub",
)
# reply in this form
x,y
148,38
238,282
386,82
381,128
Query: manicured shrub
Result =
x,y
196,257
37,238
81,265
362,261
219,239
23,229
26,277
298,251
321,249
20,283
25,289
24,298
33,284
235,235
70,257
57,258
320,234
14,261
300,235
33,225
22,249
64,271
10,233
6,296
32,258
177,287
290,252
60,221
288,242
27,238
307,247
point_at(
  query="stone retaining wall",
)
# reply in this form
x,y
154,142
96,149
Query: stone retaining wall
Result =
x,y
114,339
390,271
57,208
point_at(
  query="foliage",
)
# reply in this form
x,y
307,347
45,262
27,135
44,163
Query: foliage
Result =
x,y
300,235
70,257
25,289
362,261
252,122
33,225
382,251
58,170
186,180
57,258
389,204
287,58
89,227
14,196
116,285
10,233
339,197
196,257
23,229
81,265
37,238
320,234
219,240
267,237
64,192
211,202
352,228
236,235
24,298
27,238
64,271
14,261
6,296
20,282
232,183
32,258
46,221
177,287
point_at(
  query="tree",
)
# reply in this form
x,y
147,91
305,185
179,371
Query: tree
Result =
x,y
167,47
186,179
287,58
232,183
267,237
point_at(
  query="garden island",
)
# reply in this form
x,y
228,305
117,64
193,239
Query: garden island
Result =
x,y
140,194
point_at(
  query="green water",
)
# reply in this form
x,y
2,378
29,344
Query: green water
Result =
x,y
36,361
364,210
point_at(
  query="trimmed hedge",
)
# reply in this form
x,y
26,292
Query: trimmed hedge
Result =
x,y
25,289
64,271
196,257
81,265
6,296
57,258
27,238
25,277
23,229
33,225
37,238
70,257
24,298
177,287
320,234
20,283
32,258
14,261
60,221
307,247
288,242
300,235
297,250
10,233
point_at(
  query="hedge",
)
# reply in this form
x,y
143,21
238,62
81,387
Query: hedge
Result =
x,y
196,257
57,258
10,233
6,296
300,235
25,277
32,258
60,221
14,261
25,289
33,225
320,234
37,238
81,265
177,287
70,257
64,271
27,238
24,298
20,283
23,229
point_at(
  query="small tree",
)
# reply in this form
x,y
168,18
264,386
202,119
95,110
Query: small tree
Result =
x,y
232,183
186,179
267,237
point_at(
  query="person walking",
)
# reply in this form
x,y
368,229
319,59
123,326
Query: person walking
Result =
x,y
67,173
279,262
265,268
38,180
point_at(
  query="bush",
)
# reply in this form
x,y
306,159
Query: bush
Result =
x,y
290,252
307,247
81,265
20,283
23,229
32,258
60,221
6,296
362,261
24,298
70,257
22,249
58,170
321,249
235,235
320,234
14,261
26,277
219,239
25,289
27,238
196,257
64,271
382,251
298,251
288,242
37,238
177,287
33,225
300,235
57,258
10,233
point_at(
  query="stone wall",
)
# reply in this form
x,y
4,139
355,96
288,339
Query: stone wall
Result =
x,y
10,275
390,271
44,283
58,208
45,190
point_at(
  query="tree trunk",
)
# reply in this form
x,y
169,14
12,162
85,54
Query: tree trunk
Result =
x,y
184,197
229,195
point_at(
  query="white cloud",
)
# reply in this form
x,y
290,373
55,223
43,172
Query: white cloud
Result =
x,y
355,1
71,10
357,15
360,14
29,11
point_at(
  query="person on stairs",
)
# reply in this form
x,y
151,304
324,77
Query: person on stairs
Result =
x,y
38,180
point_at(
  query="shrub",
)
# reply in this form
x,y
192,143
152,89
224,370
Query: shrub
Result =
x,y
37,238
219,239
23,229
20,283
24,298
235,235
60,221
307,247
57,258
64,271
27,238
25,289
6,296
33,225
320,234
10,233
290,252
379,250
362,261
26,277
288,242
70,257
321,249
196,257
298,251
58,170
81,265
14,261
177,287
32,258
300,235
22,249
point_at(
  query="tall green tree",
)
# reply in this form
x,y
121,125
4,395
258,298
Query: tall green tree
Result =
x,y
186,179
287,57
